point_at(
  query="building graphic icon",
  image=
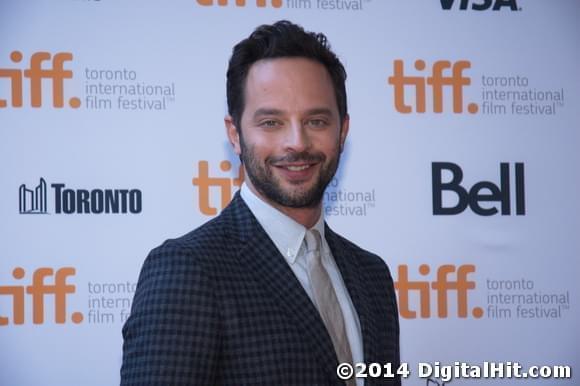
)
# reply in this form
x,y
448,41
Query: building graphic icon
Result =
x,y
33,201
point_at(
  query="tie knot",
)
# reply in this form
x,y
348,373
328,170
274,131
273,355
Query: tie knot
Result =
x,y
313,240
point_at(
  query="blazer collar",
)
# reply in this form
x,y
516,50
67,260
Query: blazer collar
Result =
x,y
270,269
268,266
356,284
286,234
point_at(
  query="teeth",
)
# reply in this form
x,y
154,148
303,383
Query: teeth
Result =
x,y
297,168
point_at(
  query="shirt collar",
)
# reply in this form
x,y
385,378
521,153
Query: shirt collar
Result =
x,y
286,234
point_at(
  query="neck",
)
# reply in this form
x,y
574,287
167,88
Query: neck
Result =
x,y
305,216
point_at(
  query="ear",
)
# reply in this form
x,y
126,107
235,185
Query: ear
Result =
x,y
344,131
232,133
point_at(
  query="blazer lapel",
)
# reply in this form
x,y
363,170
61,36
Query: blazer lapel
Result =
x,y
263,260
356,286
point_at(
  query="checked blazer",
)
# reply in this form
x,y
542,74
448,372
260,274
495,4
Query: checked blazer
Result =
x,y
221,306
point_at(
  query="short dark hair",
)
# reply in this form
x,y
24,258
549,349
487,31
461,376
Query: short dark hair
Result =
x,y
281,39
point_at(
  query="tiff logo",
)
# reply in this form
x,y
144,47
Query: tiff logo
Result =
x,y
436,82
240,3
37,73
32,201
224,184
38,291
441,287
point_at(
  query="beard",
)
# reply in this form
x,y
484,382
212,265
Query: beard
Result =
x,y
271,187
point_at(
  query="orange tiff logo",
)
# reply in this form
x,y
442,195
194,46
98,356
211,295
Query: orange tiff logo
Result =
x,y
437,82
240,3
223,184
442,286
36,73
38,291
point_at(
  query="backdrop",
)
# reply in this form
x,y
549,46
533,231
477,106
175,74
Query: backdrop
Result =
x,y
461,167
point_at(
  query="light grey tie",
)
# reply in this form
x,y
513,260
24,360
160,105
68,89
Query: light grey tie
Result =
x,y
325,299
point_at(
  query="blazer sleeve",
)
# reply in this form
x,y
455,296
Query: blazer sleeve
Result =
x,y
396,333
172,335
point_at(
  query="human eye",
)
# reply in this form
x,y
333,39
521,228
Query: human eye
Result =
x,y
317,122
269,123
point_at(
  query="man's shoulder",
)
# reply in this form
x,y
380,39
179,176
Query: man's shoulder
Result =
x,y
226,228
190,261
208,237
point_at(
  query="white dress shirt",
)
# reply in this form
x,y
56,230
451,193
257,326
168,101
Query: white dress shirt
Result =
x,y
288,236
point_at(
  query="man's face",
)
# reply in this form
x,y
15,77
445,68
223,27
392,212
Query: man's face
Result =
x,y
291,135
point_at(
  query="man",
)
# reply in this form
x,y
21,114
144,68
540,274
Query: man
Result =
x,y
266,293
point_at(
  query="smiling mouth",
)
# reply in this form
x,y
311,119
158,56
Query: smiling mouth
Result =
x,y
296,168
296,171
297,165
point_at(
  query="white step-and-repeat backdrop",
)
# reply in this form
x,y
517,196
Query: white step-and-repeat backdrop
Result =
x,y
461,168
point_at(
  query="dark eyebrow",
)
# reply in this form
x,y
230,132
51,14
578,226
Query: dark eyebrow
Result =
x,y
276,112
320,111
267,111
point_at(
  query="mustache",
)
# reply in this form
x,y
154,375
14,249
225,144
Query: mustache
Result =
x,y
304,156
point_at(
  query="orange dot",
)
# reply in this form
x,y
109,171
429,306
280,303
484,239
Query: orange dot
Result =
x,y
18,273
77,317
424,269
477,312
472,108
16,56
225,166
276,3
420,64
74,102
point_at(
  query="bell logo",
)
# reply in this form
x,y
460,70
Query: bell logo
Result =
x,y
480,193
204,182
240,3
441,287
37,73
437,81
37,291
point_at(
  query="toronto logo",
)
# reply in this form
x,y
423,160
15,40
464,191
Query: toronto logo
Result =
x,y
32,201
78,201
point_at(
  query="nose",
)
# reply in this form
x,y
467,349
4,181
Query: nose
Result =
x,y
297,138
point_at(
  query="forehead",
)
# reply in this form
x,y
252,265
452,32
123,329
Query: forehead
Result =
x,y
289,84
